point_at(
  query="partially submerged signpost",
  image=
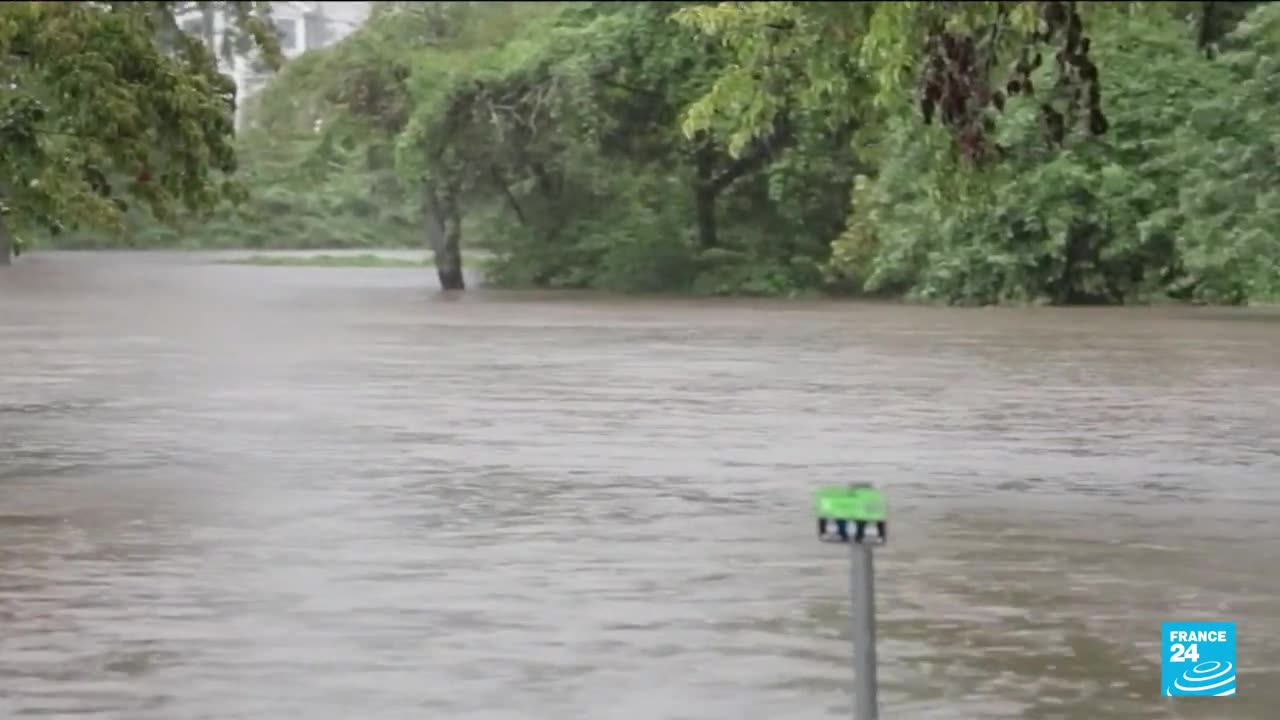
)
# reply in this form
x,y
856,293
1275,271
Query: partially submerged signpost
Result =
x,y
857,515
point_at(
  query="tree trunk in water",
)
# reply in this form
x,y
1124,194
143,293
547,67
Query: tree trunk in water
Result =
x,y
1079,283
444,232
6,243
449,257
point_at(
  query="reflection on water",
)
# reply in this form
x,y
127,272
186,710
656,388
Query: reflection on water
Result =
x,y
237,493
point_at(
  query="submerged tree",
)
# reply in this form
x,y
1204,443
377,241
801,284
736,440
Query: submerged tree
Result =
x,y
398,91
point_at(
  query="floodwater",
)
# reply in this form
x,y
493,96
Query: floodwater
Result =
x,y
256,493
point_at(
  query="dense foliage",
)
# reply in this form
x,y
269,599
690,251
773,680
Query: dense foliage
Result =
x,y
106,103
960,152
1175,199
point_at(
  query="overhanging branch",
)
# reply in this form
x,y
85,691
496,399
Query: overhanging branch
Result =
x,y
761,152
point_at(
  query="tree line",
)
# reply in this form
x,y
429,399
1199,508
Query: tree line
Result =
x,y
984,152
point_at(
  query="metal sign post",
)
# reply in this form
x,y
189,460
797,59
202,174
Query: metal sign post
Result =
x,y
864,508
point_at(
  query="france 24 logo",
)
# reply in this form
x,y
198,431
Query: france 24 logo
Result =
x,y
1198,659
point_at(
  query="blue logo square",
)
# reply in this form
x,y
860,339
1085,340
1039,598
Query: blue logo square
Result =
x,y
1197,659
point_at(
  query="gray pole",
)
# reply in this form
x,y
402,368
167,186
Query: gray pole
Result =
x,y
864,508
862,623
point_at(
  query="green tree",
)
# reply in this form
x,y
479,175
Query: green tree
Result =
x,y
1172,201
553,130
1225,163
390,101
966,202
574,128
102,103
468,128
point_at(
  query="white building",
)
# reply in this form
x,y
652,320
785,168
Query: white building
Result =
x,y
301,26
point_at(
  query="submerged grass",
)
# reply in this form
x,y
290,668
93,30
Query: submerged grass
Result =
x,y
363,260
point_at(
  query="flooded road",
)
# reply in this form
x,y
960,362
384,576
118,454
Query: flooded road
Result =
x,y
256,493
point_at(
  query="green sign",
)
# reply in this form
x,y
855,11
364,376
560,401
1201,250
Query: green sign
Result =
x,y
851,503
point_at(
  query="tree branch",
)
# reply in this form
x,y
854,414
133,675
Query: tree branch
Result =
x,y
761,152
629,88
501,182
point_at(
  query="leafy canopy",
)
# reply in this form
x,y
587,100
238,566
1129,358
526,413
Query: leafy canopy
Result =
x,y
103,102
979,152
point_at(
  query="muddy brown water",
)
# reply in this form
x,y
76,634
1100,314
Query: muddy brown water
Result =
x,y
243,493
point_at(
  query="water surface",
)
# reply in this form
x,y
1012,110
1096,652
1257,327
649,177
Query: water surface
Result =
x,y
244,493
